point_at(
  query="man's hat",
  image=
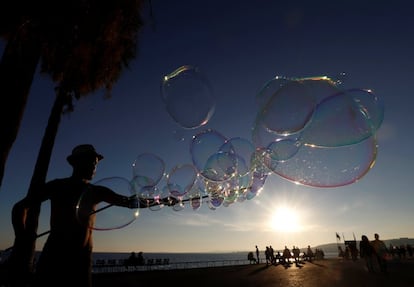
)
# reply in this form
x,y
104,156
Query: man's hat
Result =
x,y
82,151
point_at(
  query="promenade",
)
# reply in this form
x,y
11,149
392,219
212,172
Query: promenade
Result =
x,y
321,273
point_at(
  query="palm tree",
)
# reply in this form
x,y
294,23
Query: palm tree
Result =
x,y
17,67
89,45
83,46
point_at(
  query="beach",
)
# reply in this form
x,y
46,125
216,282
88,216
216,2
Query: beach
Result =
x,y
320,273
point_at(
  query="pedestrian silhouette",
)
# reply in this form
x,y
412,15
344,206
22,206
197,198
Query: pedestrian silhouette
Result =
x,y
257,255
366,252
380,252
251,258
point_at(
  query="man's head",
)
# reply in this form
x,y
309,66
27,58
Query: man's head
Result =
x,y
84,159
376,236
81,152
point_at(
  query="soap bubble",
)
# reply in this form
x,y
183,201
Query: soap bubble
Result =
x,y
188,97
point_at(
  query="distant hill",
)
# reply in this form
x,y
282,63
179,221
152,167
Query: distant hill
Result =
x,y
333,247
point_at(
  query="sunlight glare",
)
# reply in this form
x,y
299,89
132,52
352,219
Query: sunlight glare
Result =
x,y
286,219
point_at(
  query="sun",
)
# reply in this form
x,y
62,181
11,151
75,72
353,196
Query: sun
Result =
x,y
286,219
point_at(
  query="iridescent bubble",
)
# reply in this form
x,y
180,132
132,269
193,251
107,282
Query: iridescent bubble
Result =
x,y
258,162
188,97
179,206
221,166
163,198
181,179
283,149
196,202
208,159
291,107
147,170
321,87
269,88
195,196
215,200
215,192
243,150
328,167
152,195
230,195
242,179
258,181
101,215
261,137
345,118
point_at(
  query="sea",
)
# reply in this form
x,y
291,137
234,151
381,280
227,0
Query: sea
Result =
x,y
176,257
115,261
189,257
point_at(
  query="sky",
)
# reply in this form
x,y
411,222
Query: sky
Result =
x,y
238,46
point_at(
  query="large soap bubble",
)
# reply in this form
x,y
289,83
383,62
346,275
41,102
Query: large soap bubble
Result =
x,y
188,97
327,167
345,118
291,105
101,215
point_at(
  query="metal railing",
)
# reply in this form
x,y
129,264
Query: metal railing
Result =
x,y
102,266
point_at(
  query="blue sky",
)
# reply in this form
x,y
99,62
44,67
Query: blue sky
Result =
x,y
239,46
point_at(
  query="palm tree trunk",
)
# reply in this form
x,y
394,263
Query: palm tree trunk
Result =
x,y
17,68
23,252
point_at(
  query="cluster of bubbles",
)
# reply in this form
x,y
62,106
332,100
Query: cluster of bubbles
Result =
x,y
307,130
316,134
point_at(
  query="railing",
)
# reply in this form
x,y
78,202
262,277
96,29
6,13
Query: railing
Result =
x,y
102,266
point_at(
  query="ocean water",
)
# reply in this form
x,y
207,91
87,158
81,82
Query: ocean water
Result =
x,y
176,257
189,257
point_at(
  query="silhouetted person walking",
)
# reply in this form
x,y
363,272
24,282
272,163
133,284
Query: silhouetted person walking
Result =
x,y
366,251
380,252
